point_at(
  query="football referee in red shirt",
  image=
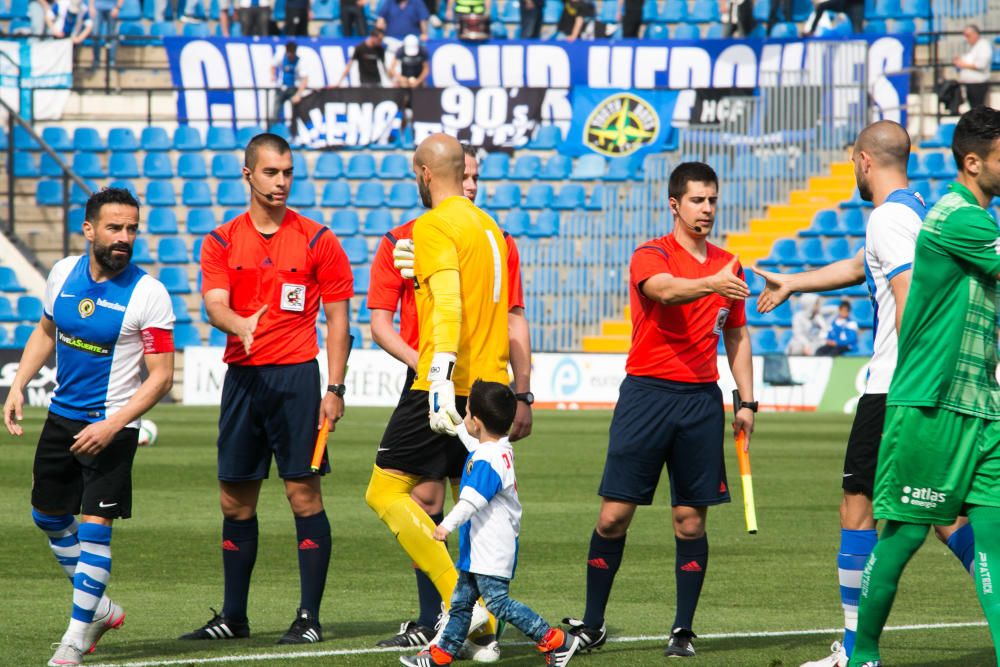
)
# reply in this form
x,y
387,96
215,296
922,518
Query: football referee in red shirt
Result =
x,y
264,274
684,293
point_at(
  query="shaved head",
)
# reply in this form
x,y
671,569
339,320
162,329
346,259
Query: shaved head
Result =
x,y
886,143
439,163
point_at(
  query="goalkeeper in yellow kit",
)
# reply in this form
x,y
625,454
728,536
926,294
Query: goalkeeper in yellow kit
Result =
x,y
461,293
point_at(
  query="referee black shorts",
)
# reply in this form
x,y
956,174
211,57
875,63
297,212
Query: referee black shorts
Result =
x,y
67,483
410,445
678,424
269,411
861,458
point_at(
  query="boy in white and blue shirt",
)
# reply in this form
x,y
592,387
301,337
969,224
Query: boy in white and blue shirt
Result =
x,y
488,518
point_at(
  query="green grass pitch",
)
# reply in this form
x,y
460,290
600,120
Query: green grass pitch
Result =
x,y
782,580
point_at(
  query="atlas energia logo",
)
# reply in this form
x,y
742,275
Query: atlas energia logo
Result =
x,y
620,125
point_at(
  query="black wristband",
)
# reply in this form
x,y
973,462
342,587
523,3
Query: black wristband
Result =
x,y
336,389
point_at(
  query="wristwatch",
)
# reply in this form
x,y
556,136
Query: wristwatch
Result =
x,y
525,397
336,389
749,404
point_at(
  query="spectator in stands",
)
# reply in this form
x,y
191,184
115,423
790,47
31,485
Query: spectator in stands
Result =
x,y
630,16
399,18
69,18
843,334
531,18
973,73
105,16
412,64
855,10
297,15
370,55
289,80
254,16
738,17
37,12
472,16
352,18
787,14
808,327
575,16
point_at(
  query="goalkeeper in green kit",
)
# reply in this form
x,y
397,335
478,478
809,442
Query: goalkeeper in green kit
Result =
x,y
940,452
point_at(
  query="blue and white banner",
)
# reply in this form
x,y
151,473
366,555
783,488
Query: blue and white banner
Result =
x,y
238,72
36,75
621,123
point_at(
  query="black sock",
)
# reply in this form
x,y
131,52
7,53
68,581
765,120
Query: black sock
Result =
x,y
692,563
603,561
427,593
239,553
313,533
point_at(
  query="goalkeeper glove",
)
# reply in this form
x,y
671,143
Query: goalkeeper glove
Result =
x,y
444,415
402,258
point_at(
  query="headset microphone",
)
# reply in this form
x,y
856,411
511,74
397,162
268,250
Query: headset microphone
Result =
x,y
268,197
695,228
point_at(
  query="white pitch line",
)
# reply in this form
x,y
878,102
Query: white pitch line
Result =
x,y
261,657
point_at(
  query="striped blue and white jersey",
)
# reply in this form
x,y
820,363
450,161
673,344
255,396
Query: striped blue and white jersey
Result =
x,y
102,331
890,240
487,541
70,17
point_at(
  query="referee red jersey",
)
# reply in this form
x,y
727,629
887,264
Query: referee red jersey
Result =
x,y
678,343
289,271
389,289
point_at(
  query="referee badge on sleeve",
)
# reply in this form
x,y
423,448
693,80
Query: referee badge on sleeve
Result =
x,y
293,297
720,320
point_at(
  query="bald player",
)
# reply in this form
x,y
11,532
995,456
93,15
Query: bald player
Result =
x,y
885,263
461,296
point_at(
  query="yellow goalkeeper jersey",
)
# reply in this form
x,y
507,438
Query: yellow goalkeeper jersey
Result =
x,y
457,235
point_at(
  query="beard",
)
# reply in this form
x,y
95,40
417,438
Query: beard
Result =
x,y
425,193
104,254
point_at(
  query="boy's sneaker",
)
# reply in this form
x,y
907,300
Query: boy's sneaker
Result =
x,y
558,647
590,638
480,617
680,645
430,658
67,653
410,633
220,627
112,620
304,630
837,658
481,649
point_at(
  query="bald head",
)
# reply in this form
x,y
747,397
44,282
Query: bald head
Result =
x,y
886,143
439,164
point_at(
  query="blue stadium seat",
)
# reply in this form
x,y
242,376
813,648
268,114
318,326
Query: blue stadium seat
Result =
x,y
620,169
197,193
187,138
403,195
570,198
57,138
369,194
26,166
48,193
687,31
29,308
22,332
394,166
673,12
191,166
303,194
157,165
181,313
903,26
226,166
855,201
77,195
162,221
362,279
885,9
526,168
938,189
715,31
7,313
361,166
299,166
245,134
784,252
916,9
356,338
548,137
325,10
122,139
754,281
217,338
344,223
765,341
186,335
76,216
516,222
364,315
87,139
356,249
175,279
825,223
942,138
876,27
812,253
785,31
940,165
24,141
589,167
328,166
862,311
599,196
160,193
539,196
494,167
551,12
704,11
914,167
197,30
88,165
837,249
171,250
412,214
200,221
161,29
231,214
231,193
220,139
336,194
154,138
331,29
132,33
505,195
556,168
378,221
853,222
120,165
140,251
545,224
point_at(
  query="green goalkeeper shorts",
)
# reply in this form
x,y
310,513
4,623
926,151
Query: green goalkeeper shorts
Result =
x,y
932,462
